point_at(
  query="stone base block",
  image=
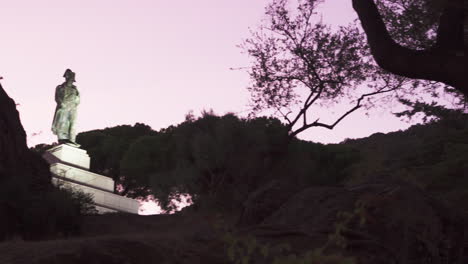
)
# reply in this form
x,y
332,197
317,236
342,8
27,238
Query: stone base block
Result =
x,y
69,155
82,176
106,201
70,166
103,210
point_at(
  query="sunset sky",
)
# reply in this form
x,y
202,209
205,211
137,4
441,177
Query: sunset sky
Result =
x,y
147,61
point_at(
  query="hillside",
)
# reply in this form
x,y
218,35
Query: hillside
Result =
x,y
258,196
402,201
433,157
429,231
122,239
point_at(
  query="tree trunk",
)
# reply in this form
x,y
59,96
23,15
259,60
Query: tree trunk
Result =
x,y
446,62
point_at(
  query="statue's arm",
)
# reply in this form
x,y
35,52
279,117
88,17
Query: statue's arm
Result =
x,y
58,95
77,99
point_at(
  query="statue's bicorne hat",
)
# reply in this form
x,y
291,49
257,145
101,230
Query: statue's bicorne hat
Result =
x,y
69,74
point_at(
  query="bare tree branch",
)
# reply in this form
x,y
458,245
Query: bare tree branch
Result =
x,y
358,105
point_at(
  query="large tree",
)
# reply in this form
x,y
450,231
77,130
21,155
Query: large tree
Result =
x,y
419,39
298,63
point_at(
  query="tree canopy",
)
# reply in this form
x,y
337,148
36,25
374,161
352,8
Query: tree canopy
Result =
x,y
107,147
217,160
220,161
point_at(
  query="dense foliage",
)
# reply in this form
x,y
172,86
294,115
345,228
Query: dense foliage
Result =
x,y
107,146
432,156
411,23
218,160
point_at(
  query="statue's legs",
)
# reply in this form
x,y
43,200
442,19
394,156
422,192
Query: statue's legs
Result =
x,y
64,125
72,125
61,124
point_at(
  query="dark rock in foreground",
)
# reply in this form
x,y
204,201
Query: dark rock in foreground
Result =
x,y
378,222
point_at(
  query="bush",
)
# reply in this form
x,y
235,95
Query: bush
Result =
x,y
57,212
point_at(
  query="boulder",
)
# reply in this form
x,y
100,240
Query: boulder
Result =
x,y
379,222
265,201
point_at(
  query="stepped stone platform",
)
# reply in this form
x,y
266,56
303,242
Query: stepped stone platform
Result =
x,y
70,165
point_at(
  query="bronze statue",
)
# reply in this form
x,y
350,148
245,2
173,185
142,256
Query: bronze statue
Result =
x,y
68,99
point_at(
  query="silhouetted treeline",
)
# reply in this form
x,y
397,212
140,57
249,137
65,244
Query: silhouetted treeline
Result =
x,y
220,160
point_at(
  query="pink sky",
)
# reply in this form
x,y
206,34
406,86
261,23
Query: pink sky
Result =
x,y
149,62
143,61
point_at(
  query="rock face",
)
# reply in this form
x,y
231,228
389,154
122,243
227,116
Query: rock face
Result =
x,y
12,135
23,174
380,222
16,160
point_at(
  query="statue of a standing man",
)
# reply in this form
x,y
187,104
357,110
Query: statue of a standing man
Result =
x,y
67,98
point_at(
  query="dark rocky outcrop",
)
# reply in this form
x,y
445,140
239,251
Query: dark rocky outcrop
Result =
x,y
402,225
16,160
382,222
12,135
23,173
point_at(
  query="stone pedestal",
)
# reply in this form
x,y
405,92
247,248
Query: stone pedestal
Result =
x,y
80,176
70,166
71,155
